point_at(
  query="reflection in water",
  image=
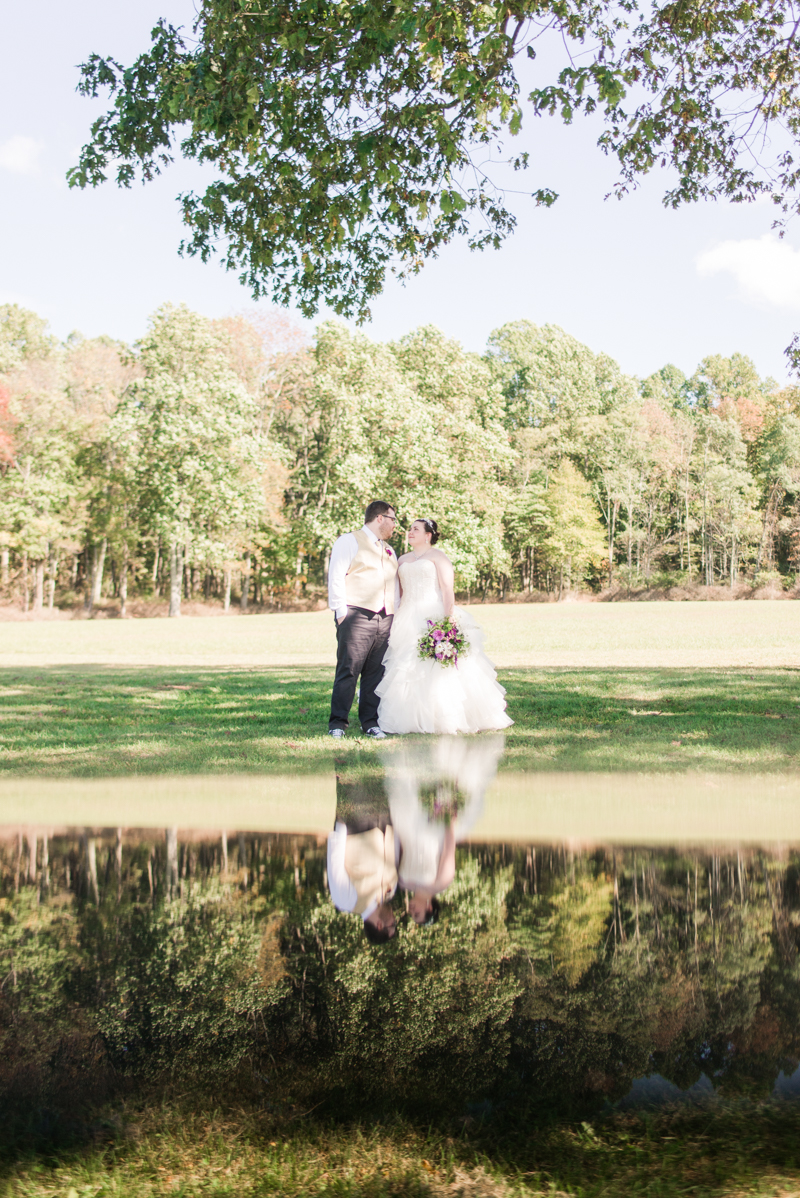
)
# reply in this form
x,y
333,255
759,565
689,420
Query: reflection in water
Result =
x,y
436,794
399,820
555,972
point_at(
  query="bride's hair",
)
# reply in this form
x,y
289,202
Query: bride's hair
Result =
x,y
430,526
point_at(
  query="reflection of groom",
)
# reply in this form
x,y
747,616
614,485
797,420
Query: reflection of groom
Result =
x,y
362,869
361,583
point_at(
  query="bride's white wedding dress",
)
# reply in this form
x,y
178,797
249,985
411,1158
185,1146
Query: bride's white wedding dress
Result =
x,y
424,696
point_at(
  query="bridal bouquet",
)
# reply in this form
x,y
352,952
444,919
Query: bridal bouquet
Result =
x,y
443,642
442,801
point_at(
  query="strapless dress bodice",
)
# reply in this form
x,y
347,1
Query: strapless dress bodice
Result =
x,y
420,581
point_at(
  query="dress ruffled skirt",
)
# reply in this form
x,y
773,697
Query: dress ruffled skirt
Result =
x,y
418,695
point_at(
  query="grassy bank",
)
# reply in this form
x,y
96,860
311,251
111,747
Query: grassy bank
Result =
x,y
83,722
715,1151
582,635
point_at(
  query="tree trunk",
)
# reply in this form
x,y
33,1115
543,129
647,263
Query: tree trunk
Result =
x,y
630,541
226,596
612,524
175,578
38,586
243,859
91,868
245,581
32,843
766,529
171,879
224,846
52,574
45,874
4,555
123,585
118,863
156,587
26,594
98,565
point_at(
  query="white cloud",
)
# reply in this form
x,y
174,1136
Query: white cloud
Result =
x,y
19,155
766,269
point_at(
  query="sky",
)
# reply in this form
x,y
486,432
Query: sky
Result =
x,y
642,283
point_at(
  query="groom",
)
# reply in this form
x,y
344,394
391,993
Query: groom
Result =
x,y
361,583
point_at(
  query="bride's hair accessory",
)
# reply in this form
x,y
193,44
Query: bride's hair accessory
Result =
x,y
430,526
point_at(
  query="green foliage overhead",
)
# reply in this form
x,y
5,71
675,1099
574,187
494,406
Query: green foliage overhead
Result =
x,y
348,139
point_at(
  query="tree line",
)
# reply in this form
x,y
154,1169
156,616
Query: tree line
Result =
x,y
219,459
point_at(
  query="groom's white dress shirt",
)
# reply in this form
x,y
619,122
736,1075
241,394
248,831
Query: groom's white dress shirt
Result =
x,y
344,550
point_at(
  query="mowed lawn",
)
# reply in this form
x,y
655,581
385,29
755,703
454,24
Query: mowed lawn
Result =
x,y
651,687
649,635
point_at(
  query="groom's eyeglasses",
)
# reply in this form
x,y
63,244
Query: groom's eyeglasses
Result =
x,y
393,518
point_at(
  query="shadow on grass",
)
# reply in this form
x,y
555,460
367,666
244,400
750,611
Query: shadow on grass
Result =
x,y
96,721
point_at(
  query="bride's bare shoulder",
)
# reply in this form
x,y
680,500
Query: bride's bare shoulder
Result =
x,y
404,558
440,555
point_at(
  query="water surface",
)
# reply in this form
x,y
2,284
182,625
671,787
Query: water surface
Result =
x,y
591,942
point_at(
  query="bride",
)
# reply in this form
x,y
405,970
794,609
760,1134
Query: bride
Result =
x,y
419,695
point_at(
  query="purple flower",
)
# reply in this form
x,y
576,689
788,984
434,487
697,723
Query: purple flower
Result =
x,y
438,634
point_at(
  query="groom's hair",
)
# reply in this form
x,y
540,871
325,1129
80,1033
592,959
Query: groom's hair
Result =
x,y
378,507
377,936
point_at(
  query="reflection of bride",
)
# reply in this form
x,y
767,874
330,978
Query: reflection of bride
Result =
x,y
436,790
422,695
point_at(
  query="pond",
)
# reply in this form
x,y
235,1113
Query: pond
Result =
x,y
417,929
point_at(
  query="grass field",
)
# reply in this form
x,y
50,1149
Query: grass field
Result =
x,y
91,721
712,1153
633,687
642,635
158,696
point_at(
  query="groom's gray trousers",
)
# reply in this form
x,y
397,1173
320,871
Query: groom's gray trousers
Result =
x,y
362,638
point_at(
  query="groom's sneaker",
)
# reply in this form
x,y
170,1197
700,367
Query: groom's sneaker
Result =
x,y
376,732
337,732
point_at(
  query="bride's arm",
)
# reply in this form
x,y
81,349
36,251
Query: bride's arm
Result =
x,y
444,568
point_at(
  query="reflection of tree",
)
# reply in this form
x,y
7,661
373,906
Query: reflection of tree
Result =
x,y
565,973
428,1018
177,987
681,974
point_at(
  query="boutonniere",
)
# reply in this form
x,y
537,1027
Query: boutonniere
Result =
x,y
388,550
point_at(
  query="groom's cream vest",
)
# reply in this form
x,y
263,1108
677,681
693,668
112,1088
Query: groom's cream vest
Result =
x,y
370,580
369,862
